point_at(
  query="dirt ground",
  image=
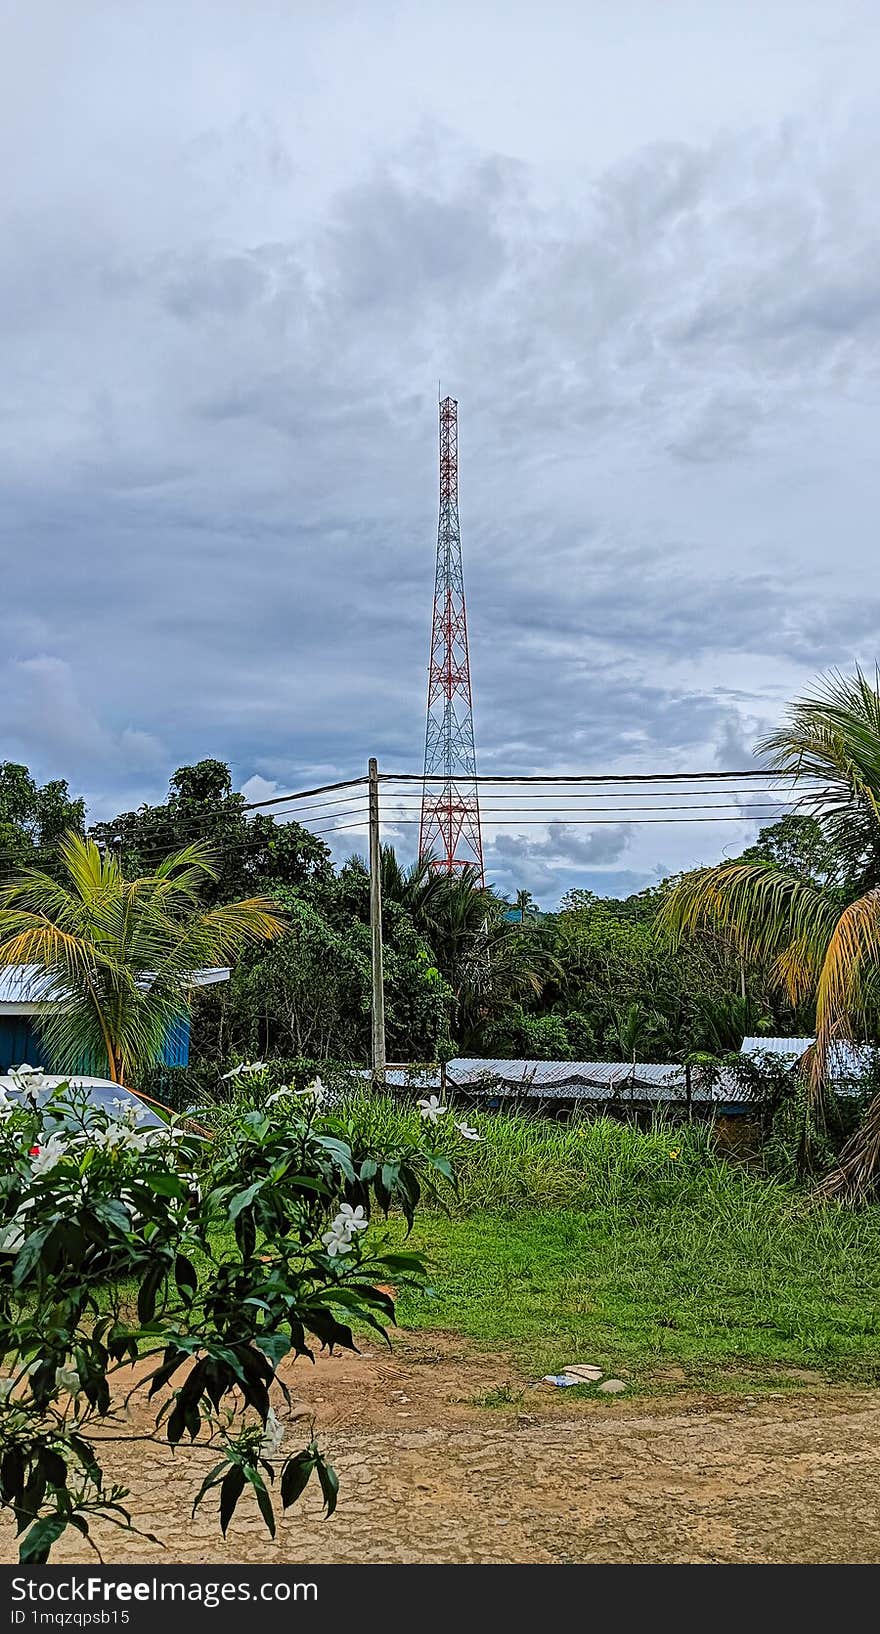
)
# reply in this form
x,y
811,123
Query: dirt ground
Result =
x,y
429,1475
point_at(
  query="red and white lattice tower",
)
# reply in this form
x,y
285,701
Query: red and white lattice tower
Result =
x,y
450,827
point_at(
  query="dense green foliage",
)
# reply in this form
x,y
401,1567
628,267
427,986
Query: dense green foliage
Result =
x,y
33,819
470,973
466,972
213,1259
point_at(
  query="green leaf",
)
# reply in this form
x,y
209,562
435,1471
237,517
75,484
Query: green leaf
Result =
x,y
243,1199
29,1253
265,1503
231,1489
146,1300
165,1185
369,1169
185,1276
273,1345
39,1538
115,1214
295,1477
338,1150
329,1484
402,1263
211,1479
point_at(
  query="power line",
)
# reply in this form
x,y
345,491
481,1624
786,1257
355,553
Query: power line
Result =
x,y
640,793
554,811
587,777
595,822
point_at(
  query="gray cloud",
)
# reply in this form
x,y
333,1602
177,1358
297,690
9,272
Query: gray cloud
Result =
x,y
222,331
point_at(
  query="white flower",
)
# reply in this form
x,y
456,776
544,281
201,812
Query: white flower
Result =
x,y
129,1109
244,1068
44,1158
281,1094
314,1091
29,1080
67,1378
431,1109
26,1074
124,1137
274,1435
467,1133
337,1242
348,1221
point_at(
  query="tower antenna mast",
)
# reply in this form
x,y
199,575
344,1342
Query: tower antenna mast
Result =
x,y
450,834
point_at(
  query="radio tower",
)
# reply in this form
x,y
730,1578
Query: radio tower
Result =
x,y
450,827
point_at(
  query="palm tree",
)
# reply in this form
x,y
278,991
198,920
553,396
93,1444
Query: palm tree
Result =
x,y
637,1031
820,941
526,906
488,964
117,955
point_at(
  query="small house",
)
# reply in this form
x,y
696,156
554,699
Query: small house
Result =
x,y
24,997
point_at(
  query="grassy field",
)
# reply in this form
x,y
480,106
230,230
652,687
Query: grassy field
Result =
x,y
648,1254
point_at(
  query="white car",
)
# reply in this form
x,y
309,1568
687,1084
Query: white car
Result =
x,y
101,1092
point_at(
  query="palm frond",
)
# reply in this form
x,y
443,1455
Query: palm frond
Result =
x,y
117,955
769,915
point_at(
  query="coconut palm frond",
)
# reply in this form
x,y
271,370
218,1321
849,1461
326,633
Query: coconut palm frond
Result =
x,y
117,956
848,975
768,914
821,942
833,737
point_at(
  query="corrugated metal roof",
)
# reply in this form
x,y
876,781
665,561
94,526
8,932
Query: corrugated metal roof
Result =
x,y
775,1046
845,1060
29,984
599,1081
22,984
543,1074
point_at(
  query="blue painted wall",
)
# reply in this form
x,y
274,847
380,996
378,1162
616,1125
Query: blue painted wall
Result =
x,y
19,1042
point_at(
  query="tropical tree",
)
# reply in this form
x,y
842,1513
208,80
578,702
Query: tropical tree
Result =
x,y
526,906
117,955
638,1031
821,941
33,819
251,851
489,965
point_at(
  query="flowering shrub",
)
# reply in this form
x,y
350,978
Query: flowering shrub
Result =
x,y
213,1259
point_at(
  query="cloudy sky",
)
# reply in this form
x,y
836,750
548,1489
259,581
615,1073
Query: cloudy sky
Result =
x,y
242,242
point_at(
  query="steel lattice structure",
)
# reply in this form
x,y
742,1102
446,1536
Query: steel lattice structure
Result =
x,y
449,832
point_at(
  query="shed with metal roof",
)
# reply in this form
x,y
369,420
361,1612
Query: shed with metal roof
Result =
x,y
26,991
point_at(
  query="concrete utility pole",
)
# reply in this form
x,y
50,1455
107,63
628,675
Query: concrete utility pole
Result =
x,y
378,1008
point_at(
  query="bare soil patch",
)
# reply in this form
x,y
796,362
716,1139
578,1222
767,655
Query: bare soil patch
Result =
x,y
428,1474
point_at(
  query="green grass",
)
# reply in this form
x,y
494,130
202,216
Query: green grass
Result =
x,y
727,1306
644,1251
